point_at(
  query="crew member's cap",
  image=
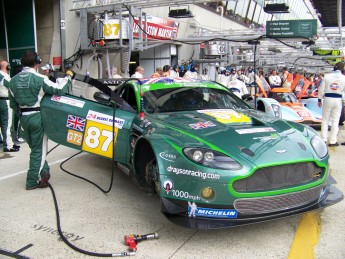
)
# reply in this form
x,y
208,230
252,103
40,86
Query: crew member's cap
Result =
x,y
47,66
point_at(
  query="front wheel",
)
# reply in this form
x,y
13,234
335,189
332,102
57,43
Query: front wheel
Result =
x,y
152,175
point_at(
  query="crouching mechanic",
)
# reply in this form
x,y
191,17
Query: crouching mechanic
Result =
x,y
331,90
26,92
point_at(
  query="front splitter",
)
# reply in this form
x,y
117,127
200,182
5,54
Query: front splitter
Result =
x,y
331,197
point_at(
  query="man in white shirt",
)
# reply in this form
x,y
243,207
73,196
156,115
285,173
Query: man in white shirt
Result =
x,y
139,72
274,80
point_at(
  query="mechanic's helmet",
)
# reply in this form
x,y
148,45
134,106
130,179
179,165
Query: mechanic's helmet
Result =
x,y
222,70
182,68
175,66
194,68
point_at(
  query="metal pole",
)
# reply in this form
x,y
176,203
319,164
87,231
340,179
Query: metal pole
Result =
x,y
62,32
340,3
221,9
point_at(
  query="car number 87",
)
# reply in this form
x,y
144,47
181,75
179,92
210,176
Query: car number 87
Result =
x,y
98,139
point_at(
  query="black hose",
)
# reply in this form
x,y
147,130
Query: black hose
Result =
x,y
73,246
121,254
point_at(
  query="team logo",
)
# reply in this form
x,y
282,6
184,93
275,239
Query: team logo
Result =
x,y
334,86
168,185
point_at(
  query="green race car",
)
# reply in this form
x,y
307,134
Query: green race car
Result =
x,y
213,161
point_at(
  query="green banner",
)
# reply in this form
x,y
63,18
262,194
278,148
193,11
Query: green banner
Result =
x,y
19,17
291,28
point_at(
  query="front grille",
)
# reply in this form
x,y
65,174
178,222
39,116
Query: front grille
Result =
x,y
253,206
277,177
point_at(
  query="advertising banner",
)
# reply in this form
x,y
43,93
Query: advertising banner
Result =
x,y
157,28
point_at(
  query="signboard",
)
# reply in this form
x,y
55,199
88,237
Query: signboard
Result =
x,y
291,28
111,29
157,28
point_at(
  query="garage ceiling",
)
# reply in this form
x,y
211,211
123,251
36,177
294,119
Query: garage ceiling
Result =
x,y
329,12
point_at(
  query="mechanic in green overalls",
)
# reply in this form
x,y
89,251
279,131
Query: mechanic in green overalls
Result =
x,y
5,111
27,89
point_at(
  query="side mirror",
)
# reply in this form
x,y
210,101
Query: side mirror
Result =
x,y
247,97
102,98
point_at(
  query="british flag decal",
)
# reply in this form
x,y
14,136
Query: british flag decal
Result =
x,y
202,125
75,122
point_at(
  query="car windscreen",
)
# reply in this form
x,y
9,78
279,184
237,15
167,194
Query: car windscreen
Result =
x,y
189,99
286,97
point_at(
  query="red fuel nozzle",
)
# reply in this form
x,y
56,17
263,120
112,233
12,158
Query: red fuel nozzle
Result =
x,y
132,240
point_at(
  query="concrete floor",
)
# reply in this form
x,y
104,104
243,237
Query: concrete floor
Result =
x,y
97,222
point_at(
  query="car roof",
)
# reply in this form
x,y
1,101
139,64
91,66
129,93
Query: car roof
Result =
x,y
151,84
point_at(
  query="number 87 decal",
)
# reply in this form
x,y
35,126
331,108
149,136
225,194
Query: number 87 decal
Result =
x,y
98,139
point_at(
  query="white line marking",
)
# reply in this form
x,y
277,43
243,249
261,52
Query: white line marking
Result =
x,y
25,171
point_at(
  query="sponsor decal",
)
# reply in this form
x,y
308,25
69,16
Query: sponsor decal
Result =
x,y
195,211
199,174
168,185
255,130
227,116
334,86
185,195
104,119
167,156
202,125
67,100
303,114
75,122
74,137
281,151
138,128
266,138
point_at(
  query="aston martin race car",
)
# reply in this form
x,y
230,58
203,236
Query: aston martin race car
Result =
x,y
213,161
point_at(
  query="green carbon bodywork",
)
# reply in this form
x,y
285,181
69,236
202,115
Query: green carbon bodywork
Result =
x,y
272,141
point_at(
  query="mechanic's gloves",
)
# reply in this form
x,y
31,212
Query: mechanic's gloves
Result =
x,y
70,73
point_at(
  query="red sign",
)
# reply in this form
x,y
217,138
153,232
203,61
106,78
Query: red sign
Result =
x,y
57,61
157,28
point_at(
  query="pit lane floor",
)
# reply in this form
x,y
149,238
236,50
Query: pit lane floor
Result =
x,y
97,222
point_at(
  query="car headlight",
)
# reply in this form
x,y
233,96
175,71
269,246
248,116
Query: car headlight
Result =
x,y
319,146
211,158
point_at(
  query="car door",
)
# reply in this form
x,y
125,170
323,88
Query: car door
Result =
x,y
88,125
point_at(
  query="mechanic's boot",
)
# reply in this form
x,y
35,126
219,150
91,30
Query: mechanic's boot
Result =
x,y
44,180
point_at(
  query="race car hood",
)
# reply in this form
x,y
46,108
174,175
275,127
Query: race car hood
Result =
x,y
241,135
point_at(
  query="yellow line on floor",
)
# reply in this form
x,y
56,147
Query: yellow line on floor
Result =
x,y
306,237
